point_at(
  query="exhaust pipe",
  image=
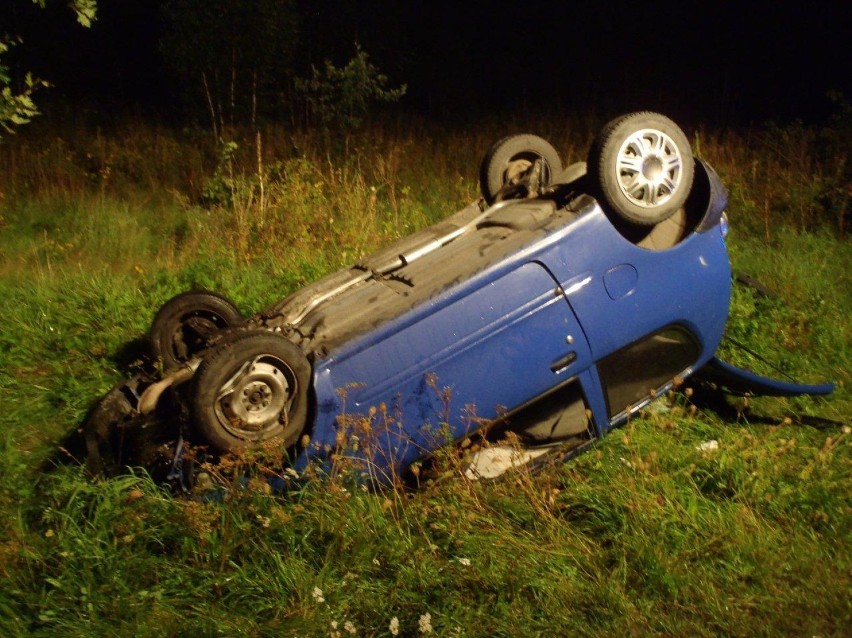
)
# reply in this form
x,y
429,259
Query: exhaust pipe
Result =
x,y
151,396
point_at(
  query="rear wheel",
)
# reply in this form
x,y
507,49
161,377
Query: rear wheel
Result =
x,y
185,324
250,388
643,167
518,166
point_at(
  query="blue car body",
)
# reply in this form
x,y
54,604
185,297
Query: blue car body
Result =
x,y
501,338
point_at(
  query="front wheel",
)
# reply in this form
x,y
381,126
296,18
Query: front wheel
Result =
x,y
250,388
643,167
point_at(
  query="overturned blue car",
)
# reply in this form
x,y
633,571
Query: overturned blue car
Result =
x,y
557,305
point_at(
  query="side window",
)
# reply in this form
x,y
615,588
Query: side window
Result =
x,y
561,416
633,373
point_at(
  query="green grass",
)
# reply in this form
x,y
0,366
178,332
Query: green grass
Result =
x,y
644,535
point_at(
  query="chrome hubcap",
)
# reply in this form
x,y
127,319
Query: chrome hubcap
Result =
x,y
257,397
648,168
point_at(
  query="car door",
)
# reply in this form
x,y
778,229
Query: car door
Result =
x,y
468,358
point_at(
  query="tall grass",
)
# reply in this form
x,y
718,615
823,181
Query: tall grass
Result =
x,y
649,533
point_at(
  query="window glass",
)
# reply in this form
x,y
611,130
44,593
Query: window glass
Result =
x,y
635,372
558,417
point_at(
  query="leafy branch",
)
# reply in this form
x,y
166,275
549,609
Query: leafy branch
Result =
x,y
17,106
342,98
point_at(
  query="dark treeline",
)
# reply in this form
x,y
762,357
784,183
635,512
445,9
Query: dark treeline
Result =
x,y
736,63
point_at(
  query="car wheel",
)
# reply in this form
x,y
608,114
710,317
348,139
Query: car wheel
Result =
x,y
250,388
643,167
508,169
185,323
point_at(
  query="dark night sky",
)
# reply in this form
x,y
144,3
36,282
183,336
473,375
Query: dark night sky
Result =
x,y
736,62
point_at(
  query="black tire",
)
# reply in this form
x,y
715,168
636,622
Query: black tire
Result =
x,y
184,325
642,167
250,388
508,161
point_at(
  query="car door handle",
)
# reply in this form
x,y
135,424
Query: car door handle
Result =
x,y
560,364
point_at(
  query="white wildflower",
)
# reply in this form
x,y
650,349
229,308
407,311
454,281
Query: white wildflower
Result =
x,y
291,473
318,596
708,446
424,623
464,561
393,627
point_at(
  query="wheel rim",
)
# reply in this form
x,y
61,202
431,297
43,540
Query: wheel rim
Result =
x,y
648,168
257,398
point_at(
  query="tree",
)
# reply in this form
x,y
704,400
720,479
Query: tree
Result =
x,y
342,98
17,106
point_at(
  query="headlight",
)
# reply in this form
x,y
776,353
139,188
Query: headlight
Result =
x,y
724,224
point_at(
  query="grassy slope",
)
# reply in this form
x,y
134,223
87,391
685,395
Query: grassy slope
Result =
x,y
645,534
